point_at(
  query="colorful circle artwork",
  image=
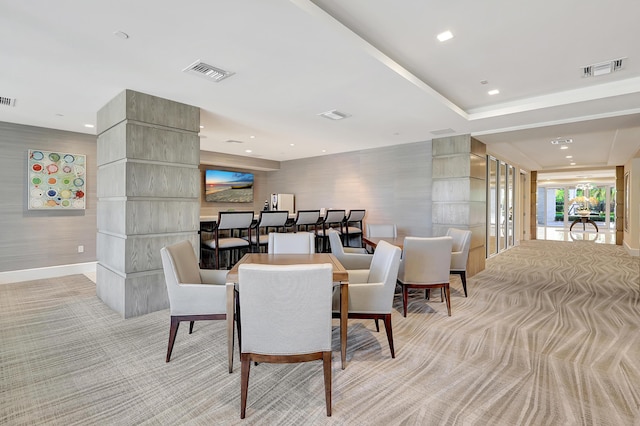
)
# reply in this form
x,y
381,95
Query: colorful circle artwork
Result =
x,y
56,180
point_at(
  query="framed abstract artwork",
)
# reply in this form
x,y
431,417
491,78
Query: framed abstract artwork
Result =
x,y
56,180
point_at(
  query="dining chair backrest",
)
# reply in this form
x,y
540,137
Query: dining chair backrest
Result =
x,y
334,216
234,220
461,241
426,260
384,269
291,243
336,243
382,230
180,265
355,216
298,321
273,218
308,217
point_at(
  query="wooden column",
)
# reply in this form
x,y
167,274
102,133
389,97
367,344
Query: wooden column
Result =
x,y
620,197
148,196
459,192
533,202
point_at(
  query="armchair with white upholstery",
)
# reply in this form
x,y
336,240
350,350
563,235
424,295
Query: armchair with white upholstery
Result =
x,y
461,241
425,265
349,257
382,230
371,291
194,294
291,243
293,327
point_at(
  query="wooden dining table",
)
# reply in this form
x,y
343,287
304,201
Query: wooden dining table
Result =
x,y
373,241
340,275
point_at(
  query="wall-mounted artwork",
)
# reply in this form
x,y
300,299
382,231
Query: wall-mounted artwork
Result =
x,y
56,180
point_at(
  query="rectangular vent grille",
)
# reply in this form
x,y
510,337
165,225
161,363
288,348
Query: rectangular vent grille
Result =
x,y
334,114
7,101
603,68
207,71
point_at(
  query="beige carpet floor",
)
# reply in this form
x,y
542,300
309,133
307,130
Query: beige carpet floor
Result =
x,y
549,335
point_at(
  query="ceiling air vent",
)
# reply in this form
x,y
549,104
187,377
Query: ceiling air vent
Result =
x,y
207,71
334,115
7,101
603,68
561,141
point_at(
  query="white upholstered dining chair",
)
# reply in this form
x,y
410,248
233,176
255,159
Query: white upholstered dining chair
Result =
x,y
460,243
371,291
291,243
425,264
293,327
194,294
349,257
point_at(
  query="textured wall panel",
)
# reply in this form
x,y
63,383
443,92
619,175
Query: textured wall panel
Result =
x,y
154,180
452,145
451,166
154,144
145,293
131,105
112,180
39,238
161,216
112,144
112,217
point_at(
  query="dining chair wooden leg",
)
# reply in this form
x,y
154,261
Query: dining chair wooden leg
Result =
x,y
377,325
405,299
447,294
387,326
191,326
173,330
326,362
245,366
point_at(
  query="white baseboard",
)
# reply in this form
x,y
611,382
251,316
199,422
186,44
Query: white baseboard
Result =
x,y
630,251
48,272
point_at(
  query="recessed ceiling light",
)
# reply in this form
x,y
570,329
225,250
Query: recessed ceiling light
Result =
x,y
445,35
202,127
121,34
564,147
484,82
324,150
248,151
569,156
91,126
493,92
292,144
252,137
573,164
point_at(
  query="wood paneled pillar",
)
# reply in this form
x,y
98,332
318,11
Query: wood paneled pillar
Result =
x,y
533,205
148,196
459,192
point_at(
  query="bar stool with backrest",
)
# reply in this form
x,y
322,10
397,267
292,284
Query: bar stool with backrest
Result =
x,y
228,233
333,219
306,219
353,226
269,221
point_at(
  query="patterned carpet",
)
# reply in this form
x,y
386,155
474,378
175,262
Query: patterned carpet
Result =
x,y
549,335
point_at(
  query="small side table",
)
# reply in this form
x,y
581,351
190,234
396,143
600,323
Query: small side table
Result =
x,y
583,220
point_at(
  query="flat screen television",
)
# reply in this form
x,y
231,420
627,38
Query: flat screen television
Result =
x,y
223,186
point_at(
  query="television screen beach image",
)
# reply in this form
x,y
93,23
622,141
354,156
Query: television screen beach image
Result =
x,y
223,186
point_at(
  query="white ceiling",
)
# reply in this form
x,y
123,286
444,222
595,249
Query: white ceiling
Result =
x,y
377,60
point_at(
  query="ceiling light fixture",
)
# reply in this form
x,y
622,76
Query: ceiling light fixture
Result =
x,y
569,156
121,34
445,35
90,126
572,164
248,151
564,147
334,114
493,92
